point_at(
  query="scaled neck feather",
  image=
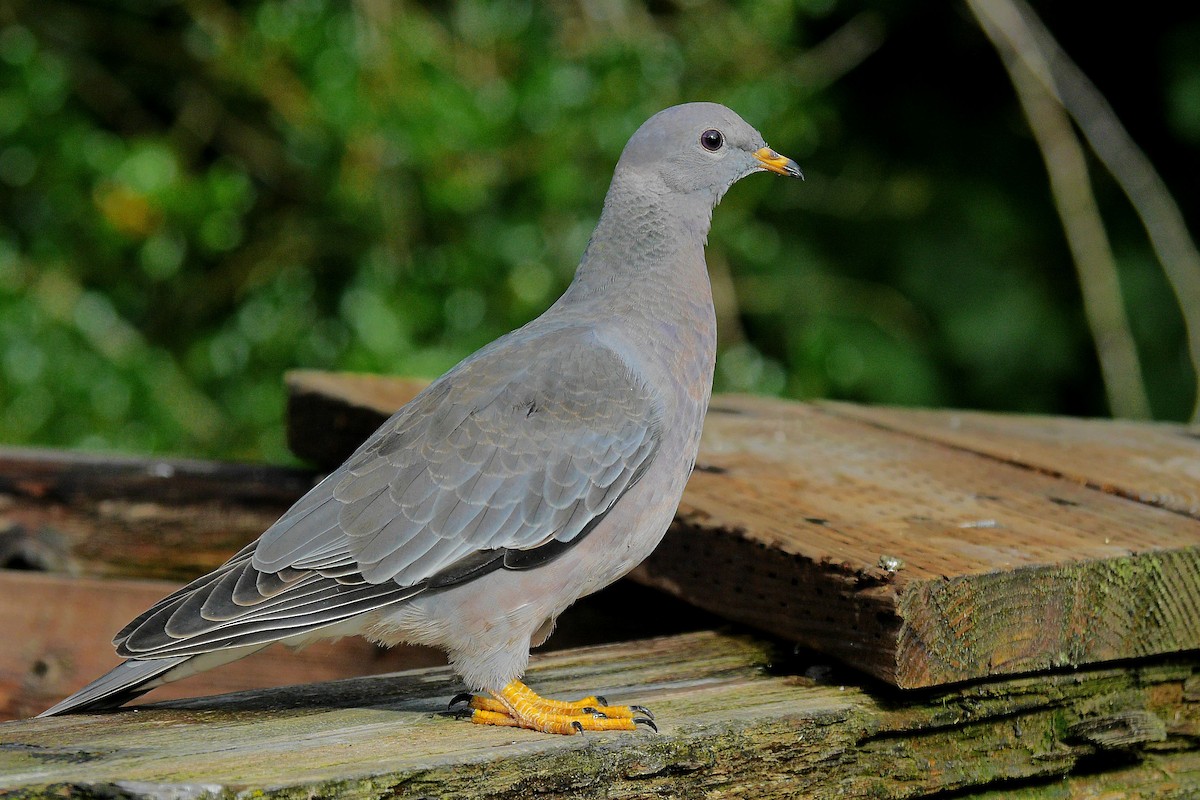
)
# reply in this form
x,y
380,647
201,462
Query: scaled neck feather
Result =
x,y
648,239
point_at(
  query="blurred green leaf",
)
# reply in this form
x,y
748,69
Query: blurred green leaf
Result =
x,y
195,198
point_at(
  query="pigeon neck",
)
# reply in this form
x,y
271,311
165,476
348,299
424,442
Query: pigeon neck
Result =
x,y
644,273
647,237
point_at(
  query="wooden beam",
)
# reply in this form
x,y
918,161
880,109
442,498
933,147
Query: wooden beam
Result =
x,y
919,560
126,516
57,635
794,516
327,411
1157,463
737,717
80,535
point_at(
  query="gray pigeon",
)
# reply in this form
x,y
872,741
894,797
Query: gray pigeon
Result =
x,y
540,469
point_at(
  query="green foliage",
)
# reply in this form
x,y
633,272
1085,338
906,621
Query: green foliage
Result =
x,y
197,197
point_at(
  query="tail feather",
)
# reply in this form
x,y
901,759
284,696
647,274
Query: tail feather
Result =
x,y
120,685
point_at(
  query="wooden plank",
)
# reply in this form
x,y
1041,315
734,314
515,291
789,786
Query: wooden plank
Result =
x,y
1157,463
329,410
736,720
92,515
171,518
57,635
793,511
134,517
88,516
70,476
798,515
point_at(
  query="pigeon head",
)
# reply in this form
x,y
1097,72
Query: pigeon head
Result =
x,y
698,148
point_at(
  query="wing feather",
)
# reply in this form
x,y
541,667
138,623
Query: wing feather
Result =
x,y
502,463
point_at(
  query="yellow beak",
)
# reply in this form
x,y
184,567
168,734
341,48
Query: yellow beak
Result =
x,y
780,165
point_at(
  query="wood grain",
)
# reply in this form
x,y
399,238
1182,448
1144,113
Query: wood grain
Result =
x,y
57,635
121,516
737,719
328,410
86,531
1157,463
1005,569
74,528
1007,563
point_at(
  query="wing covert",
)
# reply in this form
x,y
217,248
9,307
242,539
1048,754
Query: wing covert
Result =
x,y
500,454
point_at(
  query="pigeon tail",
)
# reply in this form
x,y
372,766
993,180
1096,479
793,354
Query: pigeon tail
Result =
x,y
119,685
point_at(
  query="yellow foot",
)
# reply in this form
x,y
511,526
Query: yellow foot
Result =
x,y
516,705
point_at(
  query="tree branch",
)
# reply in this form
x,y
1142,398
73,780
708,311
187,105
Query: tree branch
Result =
x,y
1076,205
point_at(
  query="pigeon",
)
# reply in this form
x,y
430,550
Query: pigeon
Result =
x,y
538,470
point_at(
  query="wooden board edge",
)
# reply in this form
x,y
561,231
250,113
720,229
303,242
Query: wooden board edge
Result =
x,y
1068,615
822,606
329,414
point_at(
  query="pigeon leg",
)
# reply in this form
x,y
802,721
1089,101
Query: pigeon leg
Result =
x,y
516,705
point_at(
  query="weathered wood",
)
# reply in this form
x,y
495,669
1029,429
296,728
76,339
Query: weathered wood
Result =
x,y
920,562
89,516
69,476
1157,463
736,720
57,635
171,518
1153,775
794,514
134,517
329,410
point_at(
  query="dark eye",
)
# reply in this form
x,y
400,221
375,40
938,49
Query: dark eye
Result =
x,y
711,140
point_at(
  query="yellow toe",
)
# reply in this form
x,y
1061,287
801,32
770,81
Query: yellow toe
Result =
x,y
518,705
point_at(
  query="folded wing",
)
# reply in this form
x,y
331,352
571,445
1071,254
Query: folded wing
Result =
x,y
501,464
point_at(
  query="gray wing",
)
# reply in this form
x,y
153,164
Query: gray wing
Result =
x,y
502,463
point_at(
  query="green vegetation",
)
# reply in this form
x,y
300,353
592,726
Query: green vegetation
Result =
x,y
195,197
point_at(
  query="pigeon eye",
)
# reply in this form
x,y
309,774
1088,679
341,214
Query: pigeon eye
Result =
x,y
711,140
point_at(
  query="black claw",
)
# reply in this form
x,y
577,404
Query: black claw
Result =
x,y
461,697
578,726
600,699
599,715
589,710
457,713
642,710
649,723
